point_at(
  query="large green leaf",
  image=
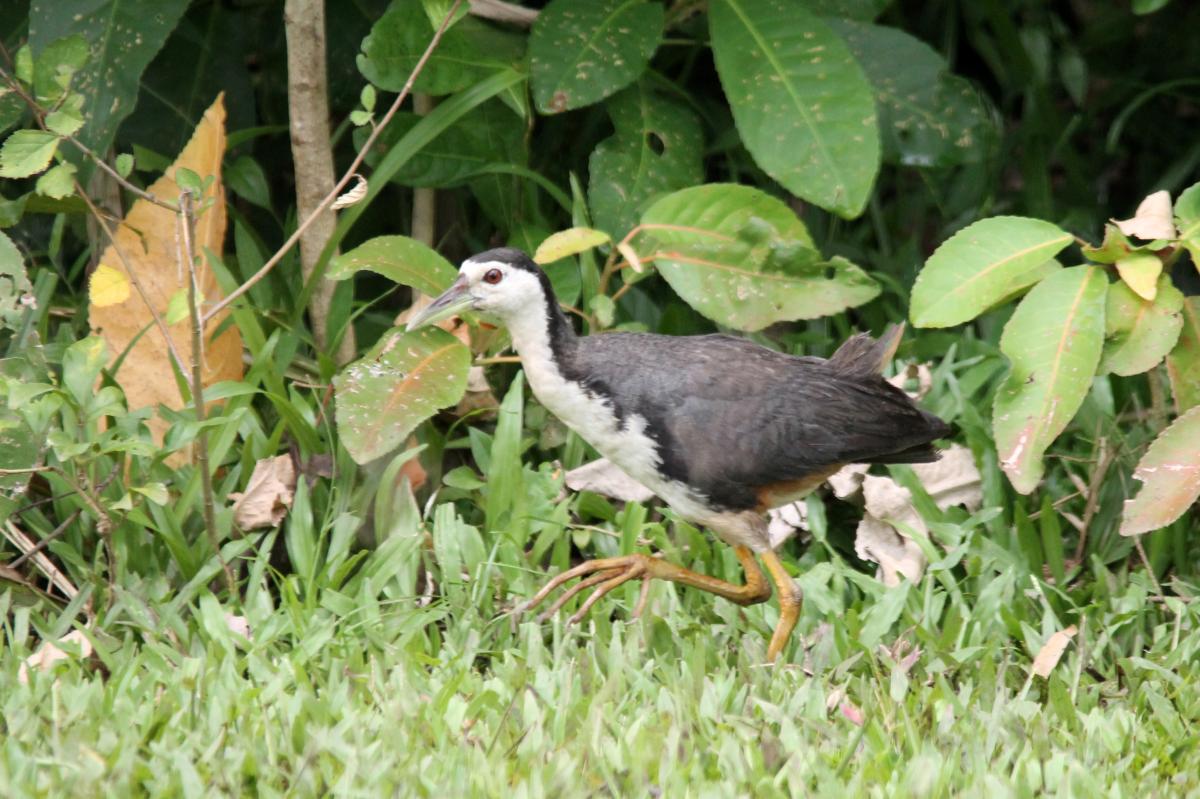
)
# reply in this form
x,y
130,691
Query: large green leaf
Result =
x,y
743,259
468,52
123,36
657,147
405,379
978,266
927,116
1170,475
1183,362
865,10
489,134
1053,340
20,448
802,104
1139,333
404,260
581,51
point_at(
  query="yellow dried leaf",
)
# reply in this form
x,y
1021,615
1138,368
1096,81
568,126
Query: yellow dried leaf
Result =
x,y
1140,273
108,286
571,241
147,241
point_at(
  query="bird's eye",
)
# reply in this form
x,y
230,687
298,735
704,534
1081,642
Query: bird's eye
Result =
x,y
492,276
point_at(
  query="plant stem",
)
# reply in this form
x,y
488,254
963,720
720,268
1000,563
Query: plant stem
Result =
x,y
187,216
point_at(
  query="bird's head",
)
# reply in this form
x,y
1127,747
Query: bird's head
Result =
x,y
502,284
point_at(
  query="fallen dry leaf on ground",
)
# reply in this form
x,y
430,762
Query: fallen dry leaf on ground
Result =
x,y
50,653
149,240
1052,651
602,476
268,494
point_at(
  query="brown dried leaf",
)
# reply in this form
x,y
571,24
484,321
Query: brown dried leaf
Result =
x,y
1152,219
50,653
953,480
268,495
1052,651
149,239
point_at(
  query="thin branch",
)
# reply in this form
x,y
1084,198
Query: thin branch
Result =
x,y
187,215
45,542
39,115
346,177
500,11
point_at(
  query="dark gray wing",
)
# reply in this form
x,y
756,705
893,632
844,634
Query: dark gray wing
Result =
x,y
731,417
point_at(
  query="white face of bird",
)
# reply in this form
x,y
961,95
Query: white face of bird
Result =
x,y
494,288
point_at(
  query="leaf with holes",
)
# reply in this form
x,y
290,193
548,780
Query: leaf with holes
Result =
x,y
1170,476
801,103
743,259
1187,217
657,148
123,36
1139,332
1053,341
1183,362
927,116
404,260
978,265
405,379
571,241
470,51
16,294
581,51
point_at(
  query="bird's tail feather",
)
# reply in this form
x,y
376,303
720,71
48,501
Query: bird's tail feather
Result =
x,y
863,355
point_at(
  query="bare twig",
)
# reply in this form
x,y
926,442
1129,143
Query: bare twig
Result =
x,y
347,176
45,542
500,11
187,216
1137,542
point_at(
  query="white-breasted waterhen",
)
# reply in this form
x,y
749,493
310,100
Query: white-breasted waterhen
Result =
x,y
720,428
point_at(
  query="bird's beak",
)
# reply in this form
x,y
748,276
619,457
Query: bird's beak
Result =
x,y
453,300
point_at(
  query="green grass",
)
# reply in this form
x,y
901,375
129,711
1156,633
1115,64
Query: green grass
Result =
x,y
348,689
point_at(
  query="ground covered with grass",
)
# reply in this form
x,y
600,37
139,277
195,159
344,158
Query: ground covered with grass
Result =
x,y
918,690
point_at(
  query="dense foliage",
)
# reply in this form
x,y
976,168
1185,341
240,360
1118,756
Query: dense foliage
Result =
x,y
789,170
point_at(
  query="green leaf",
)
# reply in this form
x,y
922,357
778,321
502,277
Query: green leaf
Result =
x,y
12,108
58,182
927,116
803,106
468,52
1114,247
487,135
123,36
571,241
1170,476
1187,219
20,448
404,260
188,180
743,259
177,307
68,118
124,165
26,152
24,64
405,379
56,65
1141,273
367,98
1139,332
82,364
248,180
1053,341
658,147
1183,362
978,265
864,10
581,51
16,295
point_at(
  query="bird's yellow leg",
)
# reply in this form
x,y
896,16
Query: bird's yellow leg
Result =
x,y
608,573
789,604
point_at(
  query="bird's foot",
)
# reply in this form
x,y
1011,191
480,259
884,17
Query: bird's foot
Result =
x,y
604,574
